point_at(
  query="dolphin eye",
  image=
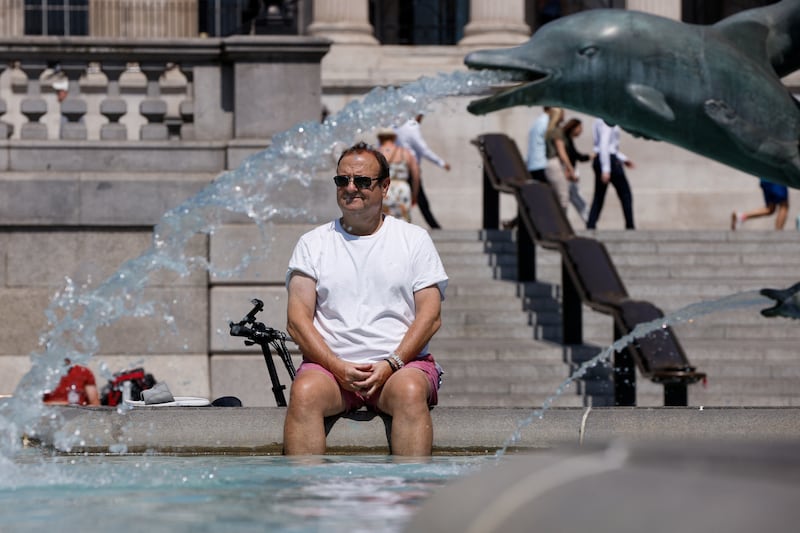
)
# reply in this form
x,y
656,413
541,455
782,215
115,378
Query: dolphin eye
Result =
x,y
588,51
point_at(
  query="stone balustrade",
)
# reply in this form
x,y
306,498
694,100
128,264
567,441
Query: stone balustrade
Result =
x,y
228,90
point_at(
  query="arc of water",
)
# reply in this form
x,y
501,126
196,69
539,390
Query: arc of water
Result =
x,y
683,315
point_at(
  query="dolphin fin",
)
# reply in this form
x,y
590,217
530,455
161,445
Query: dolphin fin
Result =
x,y
651,99
748,36
769,34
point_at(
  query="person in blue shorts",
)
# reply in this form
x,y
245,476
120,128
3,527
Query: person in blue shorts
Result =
x,y
776,198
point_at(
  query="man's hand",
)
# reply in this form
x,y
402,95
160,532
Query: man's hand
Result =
x,y
381,372
606,177
353,376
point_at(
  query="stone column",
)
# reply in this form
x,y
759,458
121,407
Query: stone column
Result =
x,y
499,22
342,21
143,18
665,8
12,18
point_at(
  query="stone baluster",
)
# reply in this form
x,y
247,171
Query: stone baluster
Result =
x,y
33,106
342,21
496,23
6,129
153,108
113,107
73,108
186,108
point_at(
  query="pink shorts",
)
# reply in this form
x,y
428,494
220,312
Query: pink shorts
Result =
x,y
353,401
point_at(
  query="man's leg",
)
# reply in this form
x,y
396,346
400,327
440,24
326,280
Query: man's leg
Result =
x,y
314,396
598,198
623,188
425,208
783,214
737,219
405,399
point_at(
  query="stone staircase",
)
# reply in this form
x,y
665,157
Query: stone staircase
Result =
x,y
500,340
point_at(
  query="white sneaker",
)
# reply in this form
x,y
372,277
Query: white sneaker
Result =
x,y
736,220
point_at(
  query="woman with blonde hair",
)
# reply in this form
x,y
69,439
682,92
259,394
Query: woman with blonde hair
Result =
x,y
559,170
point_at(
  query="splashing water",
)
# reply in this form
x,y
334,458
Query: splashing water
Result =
x,y
687,314
254,189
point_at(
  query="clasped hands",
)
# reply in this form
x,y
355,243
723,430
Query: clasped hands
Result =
x,y
365,379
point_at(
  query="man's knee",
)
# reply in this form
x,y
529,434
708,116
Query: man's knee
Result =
x,y
408,391
313,390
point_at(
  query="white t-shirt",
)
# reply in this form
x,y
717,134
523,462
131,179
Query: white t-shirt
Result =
x,y
366,285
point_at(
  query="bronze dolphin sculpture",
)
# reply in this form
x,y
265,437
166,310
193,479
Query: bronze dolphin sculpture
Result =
x,y
714,90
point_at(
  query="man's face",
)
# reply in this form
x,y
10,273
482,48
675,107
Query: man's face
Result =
x,y
352,199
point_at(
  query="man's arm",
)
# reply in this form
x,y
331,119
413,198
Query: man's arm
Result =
x,y
427,321
604,154
417,143
300,326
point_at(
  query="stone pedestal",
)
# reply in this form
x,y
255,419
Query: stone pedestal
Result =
x,y
278,83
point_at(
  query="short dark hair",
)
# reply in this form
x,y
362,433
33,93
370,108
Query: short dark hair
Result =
x,y
363,147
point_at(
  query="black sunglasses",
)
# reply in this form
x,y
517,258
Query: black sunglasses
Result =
x,y
361,182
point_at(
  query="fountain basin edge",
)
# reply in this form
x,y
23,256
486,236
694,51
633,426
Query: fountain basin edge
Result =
x,y
465,430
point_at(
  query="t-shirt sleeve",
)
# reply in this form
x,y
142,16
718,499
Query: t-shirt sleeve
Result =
x,y
301,260
428,267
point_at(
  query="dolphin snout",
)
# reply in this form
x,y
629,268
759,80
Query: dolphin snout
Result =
x,y
520,72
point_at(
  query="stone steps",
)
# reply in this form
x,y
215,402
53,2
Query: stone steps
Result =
x,y
486,344
499,342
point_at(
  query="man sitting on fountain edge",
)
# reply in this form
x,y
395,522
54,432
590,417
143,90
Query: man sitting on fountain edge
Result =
x,y
365,295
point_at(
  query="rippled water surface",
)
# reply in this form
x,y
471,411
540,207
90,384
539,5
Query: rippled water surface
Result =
x,y
220,493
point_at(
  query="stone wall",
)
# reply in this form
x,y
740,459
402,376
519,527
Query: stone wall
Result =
x,y
78,206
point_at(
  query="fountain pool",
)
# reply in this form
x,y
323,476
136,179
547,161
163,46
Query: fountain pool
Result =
x,y
220,493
